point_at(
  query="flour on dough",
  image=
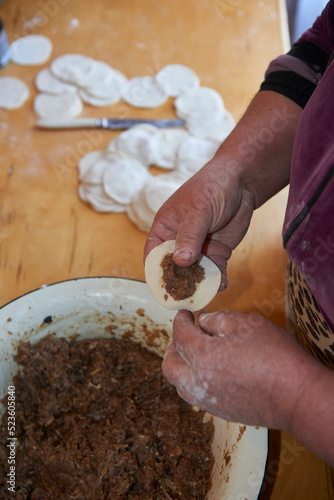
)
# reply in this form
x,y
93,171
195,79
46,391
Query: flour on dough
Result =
x,y
31,50
13,92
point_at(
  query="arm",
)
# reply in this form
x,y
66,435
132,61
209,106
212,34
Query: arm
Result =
x,y
245,369
212,210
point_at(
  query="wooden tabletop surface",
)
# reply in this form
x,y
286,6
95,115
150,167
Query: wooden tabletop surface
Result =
x,y
47,234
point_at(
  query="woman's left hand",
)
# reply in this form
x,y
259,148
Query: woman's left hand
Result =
x,y
239,367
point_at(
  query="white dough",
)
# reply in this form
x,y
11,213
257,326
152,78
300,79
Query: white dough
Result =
x,y
13,92
96,196
46,82
212,127
205,290
72,67
193,153
124,177
99,73
113,86
199,102
145,92
177,78
30,50
92,166
98,102
138,141
168,141
67,105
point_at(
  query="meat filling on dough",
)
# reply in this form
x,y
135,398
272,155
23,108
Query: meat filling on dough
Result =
x,y
180,282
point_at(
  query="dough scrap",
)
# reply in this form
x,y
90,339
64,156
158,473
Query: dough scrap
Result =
x,y
145,92
205,290
31,50
13,92
66,105
177,78
46,82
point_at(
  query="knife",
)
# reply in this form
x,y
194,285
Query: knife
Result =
x,y
107,123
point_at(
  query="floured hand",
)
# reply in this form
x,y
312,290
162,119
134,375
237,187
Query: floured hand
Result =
x,y
239,367
210,213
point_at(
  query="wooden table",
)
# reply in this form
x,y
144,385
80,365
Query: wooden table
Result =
x,y
47,234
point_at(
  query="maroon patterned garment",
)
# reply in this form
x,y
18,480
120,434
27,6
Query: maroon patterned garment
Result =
x,y
306,75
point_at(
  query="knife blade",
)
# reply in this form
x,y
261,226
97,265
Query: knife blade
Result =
x,y
106,123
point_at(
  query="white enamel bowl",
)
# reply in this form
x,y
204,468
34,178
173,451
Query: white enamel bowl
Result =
x,y
87,306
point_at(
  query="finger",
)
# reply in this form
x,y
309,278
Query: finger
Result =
x,y
188,397
187,337
229,324
190,238
175,369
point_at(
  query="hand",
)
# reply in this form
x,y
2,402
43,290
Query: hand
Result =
x,y
239,367
210,213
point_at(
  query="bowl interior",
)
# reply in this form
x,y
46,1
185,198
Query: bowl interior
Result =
x,y
100,307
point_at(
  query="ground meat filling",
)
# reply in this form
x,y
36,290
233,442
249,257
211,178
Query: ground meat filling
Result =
x,y
180,282
95,420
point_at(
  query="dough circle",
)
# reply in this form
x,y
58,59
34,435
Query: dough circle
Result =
x,y
30,50
205,290
66,105
177,78
13,92
145,92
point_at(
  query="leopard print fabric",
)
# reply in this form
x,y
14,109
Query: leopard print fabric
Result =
x,y
306,320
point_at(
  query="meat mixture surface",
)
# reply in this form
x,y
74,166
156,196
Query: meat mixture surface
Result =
x,y
95,419
180,282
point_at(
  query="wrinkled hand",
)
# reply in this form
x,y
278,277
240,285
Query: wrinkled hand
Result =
x,y
239,367
211,213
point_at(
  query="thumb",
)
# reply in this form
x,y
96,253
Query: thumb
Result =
x,y
190,238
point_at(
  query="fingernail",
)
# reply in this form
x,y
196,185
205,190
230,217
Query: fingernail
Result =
x,y
183,254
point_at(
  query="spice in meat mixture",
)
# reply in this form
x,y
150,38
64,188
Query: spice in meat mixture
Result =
x,y
180,282
95,419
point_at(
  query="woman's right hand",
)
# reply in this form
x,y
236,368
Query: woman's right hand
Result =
x,y
210,213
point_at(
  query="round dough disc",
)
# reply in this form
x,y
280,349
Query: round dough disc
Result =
x,y
30,50
67,105
13,92
205,290
145,92
72,67
177,78
46,82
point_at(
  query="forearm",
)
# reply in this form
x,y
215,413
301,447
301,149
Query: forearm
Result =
x,y
313,418
258,151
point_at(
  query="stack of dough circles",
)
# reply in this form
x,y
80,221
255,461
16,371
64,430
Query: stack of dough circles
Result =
x,y
204,292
